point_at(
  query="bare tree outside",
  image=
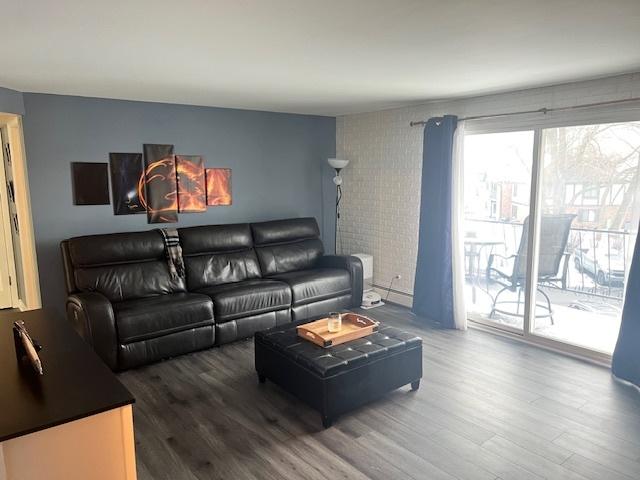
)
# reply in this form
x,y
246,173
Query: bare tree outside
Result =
x,y
601,164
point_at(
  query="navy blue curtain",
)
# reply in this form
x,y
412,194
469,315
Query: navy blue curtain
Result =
x,y
433,289
626,357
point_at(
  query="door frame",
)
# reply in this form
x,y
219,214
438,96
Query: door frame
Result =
x,y
31,299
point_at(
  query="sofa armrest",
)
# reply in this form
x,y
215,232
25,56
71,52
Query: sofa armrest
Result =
x,y
354,266
91,315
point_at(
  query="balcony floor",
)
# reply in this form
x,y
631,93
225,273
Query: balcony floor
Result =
x,y
580,318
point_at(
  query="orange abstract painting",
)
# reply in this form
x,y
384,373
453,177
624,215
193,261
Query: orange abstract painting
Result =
x,y
191,185
158,191
218,186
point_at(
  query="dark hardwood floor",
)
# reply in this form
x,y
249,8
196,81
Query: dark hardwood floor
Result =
x,y
488,407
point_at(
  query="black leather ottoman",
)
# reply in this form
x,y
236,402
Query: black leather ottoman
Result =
x,y
337,379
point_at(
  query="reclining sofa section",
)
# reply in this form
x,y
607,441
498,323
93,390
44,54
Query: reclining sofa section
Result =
x,y
239,279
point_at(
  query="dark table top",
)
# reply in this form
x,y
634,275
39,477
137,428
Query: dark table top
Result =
x,y
75,384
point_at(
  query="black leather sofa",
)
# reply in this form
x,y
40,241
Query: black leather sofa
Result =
x,y
240,279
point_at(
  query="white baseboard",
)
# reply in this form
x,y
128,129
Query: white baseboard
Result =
x,y
400,298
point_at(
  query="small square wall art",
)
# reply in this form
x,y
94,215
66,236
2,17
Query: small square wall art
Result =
x,y
218,186
90,183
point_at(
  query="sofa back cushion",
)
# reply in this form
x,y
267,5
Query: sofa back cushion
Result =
x,y
218,254
122,266
287,245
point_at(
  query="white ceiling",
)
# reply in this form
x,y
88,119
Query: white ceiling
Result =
x,y
326,57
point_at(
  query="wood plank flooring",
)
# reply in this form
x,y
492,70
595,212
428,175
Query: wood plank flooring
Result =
x,y
488,408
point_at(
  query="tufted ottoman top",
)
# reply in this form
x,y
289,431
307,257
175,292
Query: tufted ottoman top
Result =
x,y
329,361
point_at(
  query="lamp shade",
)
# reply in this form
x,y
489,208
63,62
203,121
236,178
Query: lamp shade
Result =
x,y
338,163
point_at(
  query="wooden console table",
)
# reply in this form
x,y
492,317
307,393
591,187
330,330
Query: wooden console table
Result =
x,y
73,422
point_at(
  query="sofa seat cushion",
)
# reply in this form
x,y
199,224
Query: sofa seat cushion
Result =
x,y
314,285
250,297
151,317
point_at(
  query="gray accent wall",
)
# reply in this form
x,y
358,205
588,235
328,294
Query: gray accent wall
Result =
x,y
11,101
278,161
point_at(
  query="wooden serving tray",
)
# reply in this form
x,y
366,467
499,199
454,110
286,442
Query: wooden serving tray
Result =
x,y
353,326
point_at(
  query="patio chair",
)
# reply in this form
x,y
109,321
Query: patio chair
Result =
x,y
554,234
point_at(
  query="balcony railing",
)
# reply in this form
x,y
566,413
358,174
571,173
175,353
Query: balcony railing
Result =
x,y
598,258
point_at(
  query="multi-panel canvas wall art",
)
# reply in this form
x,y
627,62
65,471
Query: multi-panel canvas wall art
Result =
x,y
192,194
157,182
126,173
90,183
218,186
161,195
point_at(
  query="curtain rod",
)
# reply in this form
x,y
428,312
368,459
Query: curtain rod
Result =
x,y
544,111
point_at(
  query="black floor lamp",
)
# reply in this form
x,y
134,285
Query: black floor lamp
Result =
x,y
337,164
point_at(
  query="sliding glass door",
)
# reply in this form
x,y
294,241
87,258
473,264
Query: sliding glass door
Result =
x,y
551,218
497,189
590,187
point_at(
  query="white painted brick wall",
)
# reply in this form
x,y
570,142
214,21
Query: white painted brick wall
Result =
x,y
381,202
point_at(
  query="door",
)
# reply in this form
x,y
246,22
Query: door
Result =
x,y
497,190
6,247
590,175
14,224
551,221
